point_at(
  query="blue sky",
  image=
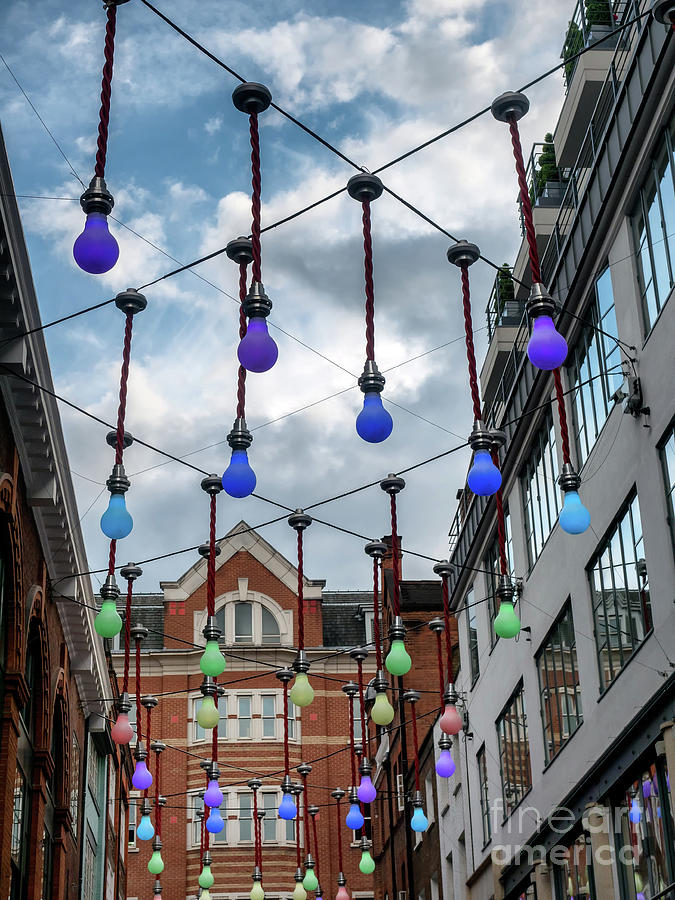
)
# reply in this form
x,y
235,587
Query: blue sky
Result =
x,y
375,78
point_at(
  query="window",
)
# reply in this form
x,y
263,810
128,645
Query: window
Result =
x,y
620,590
514,751
133,816
429,797
540,494
269,716
494,570
270,628
654,229
357,719
93,772
269,823
291,720
243,623
245,818
667,452
593,355
559,688
19,828
472,634
484,795
575,877
196,806
75,784
198,733
244,716
89,869
251,623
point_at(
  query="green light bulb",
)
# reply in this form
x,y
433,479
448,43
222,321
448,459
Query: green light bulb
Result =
x,y
257,892
212,662
310,882
156,864
507,623
302,692
299,893
382,712
108,622
398,660
206,878
207,714
367,863
205,895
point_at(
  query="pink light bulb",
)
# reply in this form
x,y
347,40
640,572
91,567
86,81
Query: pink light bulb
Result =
x,y
157,897
451,721
342,894
122,732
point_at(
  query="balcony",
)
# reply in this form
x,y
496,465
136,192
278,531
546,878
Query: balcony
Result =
x,y
504,315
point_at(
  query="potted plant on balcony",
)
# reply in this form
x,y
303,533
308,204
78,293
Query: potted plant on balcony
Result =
x,y
505,292
547,180
599,22
574,42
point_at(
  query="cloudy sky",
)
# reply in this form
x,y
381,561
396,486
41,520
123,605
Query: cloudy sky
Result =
x,y
375,78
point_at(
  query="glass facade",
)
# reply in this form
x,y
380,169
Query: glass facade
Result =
x,y
559,689
654,229
592,356
667,452
514,752
540,490
620,592
574,878
472,634
493,567
484,795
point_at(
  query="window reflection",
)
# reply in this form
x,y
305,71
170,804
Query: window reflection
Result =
x,y
643,843
514,752
540,494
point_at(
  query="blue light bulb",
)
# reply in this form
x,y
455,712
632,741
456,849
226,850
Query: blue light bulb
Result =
x,y
287,807
419,821
239,478
574,518
142,779
257,351
373,423
95,250
484,478
635,815
215,822
116,522
366,791
145,831
213,796
547,348
354,819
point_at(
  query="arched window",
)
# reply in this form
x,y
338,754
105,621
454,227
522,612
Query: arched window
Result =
x,y
248,623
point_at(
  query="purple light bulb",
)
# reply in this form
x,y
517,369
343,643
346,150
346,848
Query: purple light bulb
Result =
x,y
647,789
213,796
547,348
142,779
445,766
257,351
95,250
366,791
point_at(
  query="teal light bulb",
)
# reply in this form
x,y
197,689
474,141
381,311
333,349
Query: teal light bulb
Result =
x,y
507,623
212,662
310,882
108,622
116,522
367,863
574,518
156,864
207,714
382,712
398,660
302,692
206,878
145,830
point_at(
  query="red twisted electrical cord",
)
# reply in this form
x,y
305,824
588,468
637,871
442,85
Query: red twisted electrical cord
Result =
x,y
111,557
207,833
256,826
376,617
416,747
501,524
352,755
124,378
470,352
525,201
301,598
362,711
339,834
139,724
308,834
316,849
562,416
241,373
148,725
214,735
370,288
287,765
395,557
106,92
127,636
158,793
201,836
297,831
256,194
211,567
448,638
441,679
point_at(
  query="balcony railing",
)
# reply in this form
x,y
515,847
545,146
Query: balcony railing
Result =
x,y
546,182
591,20
503,308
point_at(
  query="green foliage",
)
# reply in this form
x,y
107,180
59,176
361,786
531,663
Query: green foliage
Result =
x,y
505,292
574,42
598,12
548,168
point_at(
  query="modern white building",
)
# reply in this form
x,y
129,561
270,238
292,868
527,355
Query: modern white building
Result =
x,y
562,787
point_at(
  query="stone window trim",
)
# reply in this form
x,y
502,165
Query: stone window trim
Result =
x,y
228,601
257,725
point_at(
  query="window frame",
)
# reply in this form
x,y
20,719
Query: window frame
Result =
x,y
484,794
471,616
669,489
517,695
223,719
544,449
226,621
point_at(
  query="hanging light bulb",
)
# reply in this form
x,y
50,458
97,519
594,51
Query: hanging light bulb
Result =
x,y
122,732
213,796
419,821
116,522
445,765
635,813
239,478
141,779
95,250
354,820
367,863
207,714
212,662
547,348
302,692
451,721
366,791
310,882
574,518
206,878
257,351
342,893
484,478
299,892
108,622
373,423
215,822
398,661
257,892
158,890
156,863
287,808
507,623
382,712
145,830
205,895
647,788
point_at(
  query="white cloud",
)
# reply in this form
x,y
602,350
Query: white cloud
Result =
x,y
213,125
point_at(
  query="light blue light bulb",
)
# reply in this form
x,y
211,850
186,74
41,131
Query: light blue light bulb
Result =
x,y
484,478
354,819
635,814
574,518
239,478
287,807
419,821
145,830
215,822
116,522
373,423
